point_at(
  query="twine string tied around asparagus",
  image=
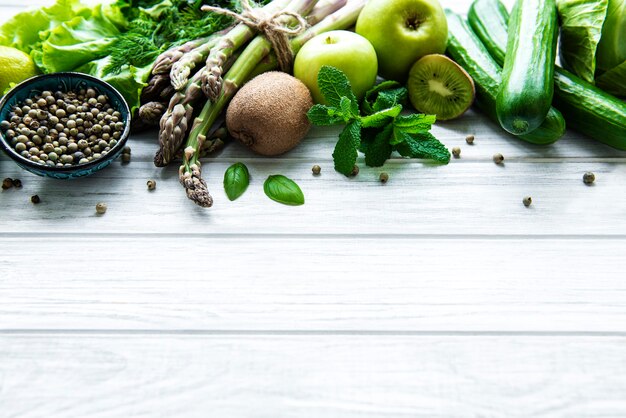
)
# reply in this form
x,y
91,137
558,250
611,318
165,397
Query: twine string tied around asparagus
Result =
x,y
271,25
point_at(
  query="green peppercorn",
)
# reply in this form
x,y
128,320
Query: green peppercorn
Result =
x,y
527,201
384,177
589,178
498,158
151,184
7,183
125,158
355,171
126,150
456,152
101,208
316,170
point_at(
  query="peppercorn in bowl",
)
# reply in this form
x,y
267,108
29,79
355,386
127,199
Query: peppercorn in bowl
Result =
x,y
63,125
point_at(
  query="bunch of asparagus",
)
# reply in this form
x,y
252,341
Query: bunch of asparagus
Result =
x,y
205,74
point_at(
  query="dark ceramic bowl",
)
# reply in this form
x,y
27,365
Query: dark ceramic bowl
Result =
x,y
63,82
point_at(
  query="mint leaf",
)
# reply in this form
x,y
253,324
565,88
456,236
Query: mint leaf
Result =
x,y
415,123
382,118
379,150
372,94
324,115
425,146
236,180
345,153
367,137
283,190
383,96
389,98
334,85
346,109
399,136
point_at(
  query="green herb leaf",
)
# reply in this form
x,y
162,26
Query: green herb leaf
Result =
x,y
415,123
334,85
345,153
423,145
382,118
283,190
383,96
379,150
236,180
323,115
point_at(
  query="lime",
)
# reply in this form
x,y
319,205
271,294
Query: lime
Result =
x,y
15,66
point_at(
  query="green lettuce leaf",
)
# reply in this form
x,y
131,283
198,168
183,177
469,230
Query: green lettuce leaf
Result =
x,y
129,82
81,40
581,30
25,30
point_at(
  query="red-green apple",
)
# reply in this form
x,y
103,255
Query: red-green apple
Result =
x,y
347,51
403,31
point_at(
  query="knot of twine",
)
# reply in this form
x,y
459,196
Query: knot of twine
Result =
x,y
271,25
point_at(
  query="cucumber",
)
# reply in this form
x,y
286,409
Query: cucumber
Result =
x,y
586,108
527,88
467,50
492,29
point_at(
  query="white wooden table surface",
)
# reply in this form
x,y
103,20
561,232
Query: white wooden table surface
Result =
x,y
436,295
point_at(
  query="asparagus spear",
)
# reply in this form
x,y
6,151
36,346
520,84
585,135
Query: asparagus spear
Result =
x,y
182,67
163,63
239,36
151,112
176,119
255,54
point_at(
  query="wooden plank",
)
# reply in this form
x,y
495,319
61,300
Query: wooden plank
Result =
x,y
243,283
311,376
461,198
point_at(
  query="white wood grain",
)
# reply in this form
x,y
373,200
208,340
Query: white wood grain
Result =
x,y
461,198
230,283
336,376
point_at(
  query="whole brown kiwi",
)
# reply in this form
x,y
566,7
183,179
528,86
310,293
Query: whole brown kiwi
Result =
x,y
268,114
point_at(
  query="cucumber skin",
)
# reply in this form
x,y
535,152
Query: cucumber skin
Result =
x,y
493,29
467,50
527,87
587,109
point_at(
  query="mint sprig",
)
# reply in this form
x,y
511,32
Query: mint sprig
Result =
x,y
379,129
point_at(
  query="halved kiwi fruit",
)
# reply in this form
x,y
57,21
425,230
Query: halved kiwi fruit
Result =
x,y
439,86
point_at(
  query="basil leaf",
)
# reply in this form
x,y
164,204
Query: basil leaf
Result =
x,y
283,190
236,180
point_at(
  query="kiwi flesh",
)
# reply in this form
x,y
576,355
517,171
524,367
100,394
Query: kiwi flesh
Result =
x,y
268,114
439,86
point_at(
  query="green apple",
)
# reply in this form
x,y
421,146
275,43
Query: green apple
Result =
x,y
403,31
347,51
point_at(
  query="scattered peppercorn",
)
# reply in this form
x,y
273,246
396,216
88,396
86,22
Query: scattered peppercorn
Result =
x,y
126,150
151,184
355,170
7,183
101,208
17,183
125,158
456,152
35,199
384,177
469,139
498,158
316,169
589,178
527,201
